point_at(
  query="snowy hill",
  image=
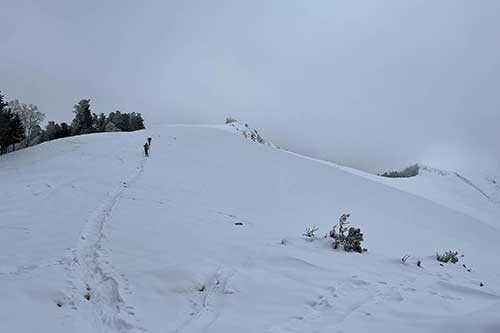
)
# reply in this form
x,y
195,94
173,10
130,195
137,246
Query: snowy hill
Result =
x,y
245,130
97,238
470,192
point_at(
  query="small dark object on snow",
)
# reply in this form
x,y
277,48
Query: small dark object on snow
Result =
x,y
419,263
202,288
441,265
405,257
467,268
58,304
238,223
146,149
87,296
481,284
149,141
83,238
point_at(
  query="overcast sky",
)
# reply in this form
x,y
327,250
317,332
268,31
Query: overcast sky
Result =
x,y
372,84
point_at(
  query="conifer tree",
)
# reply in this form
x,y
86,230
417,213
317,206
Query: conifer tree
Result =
x,y
11,127
82,123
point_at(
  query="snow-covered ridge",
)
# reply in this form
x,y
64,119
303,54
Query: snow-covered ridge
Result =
x,y
246,131
469,192
485,185
190,240
476,195
431,170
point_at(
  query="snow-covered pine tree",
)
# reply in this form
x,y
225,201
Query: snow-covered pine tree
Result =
x,y
353,240
449,256
82,123
347,239
339,238
11,127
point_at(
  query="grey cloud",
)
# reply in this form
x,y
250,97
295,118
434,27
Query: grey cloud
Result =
x,y
372,84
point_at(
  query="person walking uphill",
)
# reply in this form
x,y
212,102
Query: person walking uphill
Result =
x,y
146,149
149,141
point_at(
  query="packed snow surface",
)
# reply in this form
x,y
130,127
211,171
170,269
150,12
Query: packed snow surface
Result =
x,y
204,235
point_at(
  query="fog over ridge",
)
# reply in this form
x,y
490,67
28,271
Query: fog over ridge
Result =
x,y
375,85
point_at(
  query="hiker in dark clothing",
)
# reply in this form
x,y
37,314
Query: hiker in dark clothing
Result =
x,y
146,149
149,141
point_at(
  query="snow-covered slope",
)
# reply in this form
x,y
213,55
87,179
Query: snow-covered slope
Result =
x,y
469,192
473,192
244,130
97,238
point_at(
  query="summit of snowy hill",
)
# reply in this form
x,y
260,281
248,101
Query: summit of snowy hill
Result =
x,y
245,130
206,235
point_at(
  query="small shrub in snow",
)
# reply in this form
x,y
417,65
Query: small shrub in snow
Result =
x,y
254,136
353,240
339,238
230,120
346,238
310,233
450,256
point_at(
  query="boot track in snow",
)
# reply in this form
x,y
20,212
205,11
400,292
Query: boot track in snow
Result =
x,y
208,307
93,278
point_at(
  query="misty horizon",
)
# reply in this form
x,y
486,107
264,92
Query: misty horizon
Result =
x,y
376,86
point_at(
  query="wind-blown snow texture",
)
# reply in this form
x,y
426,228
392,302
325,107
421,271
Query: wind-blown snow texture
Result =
x,y
96,238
